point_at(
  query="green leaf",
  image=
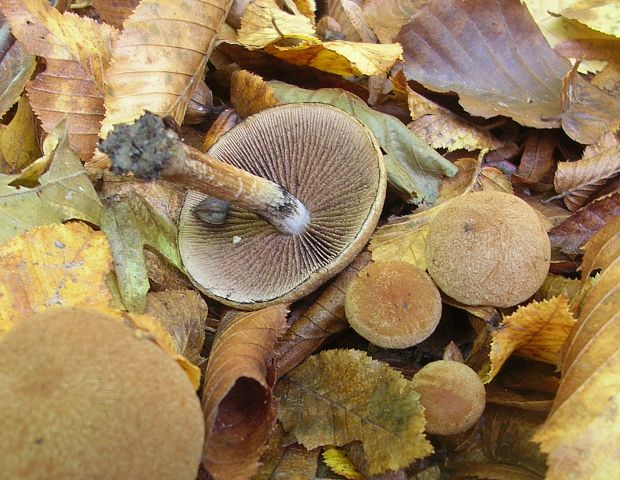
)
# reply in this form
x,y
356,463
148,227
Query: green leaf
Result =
x,y
131,224
339,396
412,166
64,192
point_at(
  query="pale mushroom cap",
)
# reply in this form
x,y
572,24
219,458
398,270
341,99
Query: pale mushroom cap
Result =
x,y
393,304
325,158
488,248
82,397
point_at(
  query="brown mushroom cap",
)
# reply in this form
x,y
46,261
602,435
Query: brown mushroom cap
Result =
x,y
488,248
452,394
322,156
82,397
393,304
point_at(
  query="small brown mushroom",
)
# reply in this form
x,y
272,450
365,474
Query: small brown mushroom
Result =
x,y
393,304
82,396
488,248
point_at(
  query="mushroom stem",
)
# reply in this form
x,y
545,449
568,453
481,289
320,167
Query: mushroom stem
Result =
x,y
150,150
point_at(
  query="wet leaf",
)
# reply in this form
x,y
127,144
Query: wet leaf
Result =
x,y
413,167
582,433
250,94
131,224
535,331
183,313
18,140
156,64
52,265
578,181
239,409
338,396
65,192
338,462
115,12
507,70
570,235
16,68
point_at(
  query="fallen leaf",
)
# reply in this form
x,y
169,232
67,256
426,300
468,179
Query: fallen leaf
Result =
x,y
537,160
115,12
387,18
570,235
224,122
506,70
608,79
250,94
473,177
160,57
590,48
183,313
578,181
52,265
413,167
339,463
601,15
65,192
239,409
530,401
16,68
338,396
131,224
582,433
338,15
18,140
535,331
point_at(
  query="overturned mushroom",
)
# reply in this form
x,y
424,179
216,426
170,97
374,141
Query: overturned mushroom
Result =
x,y
306,183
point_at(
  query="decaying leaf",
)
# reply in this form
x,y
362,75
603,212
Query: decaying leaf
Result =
x,y
338,396
114,12
293,38
183,313
18,140
583,431
570,235
65,192
535,331
16,68
52,265
237,402
413,167
131,224
160,57
578,181
508,69
338,462
250,94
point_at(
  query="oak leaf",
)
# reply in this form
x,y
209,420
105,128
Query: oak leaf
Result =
x,y
339,396
239,409
535,331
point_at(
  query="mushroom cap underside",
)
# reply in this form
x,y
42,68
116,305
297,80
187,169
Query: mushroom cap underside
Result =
x,y
324,157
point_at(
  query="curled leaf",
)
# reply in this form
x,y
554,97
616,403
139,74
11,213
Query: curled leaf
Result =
x,y
18,140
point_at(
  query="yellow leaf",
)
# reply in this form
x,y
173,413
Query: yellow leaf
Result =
x,y
52,265
18,140
601,15
339,463
536,331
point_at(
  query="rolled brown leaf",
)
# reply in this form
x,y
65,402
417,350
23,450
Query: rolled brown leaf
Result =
x,y
237,401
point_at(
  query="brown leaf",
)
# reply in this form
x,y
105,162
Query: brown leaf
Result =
x,y
579,181
537,159
115,12
250,94
473,177
491,53
224,122
590,48
583,431
570,235
387,18
589,112
608,79
16,68
533,402
237,401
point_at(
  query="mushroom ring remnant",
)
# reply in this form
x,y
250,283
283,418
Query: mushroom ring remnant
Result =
x,y
327,160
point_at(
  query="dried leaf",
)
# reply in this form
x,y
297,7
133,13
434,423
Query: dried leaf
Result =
x,y
601,15
387,18
572,233
579,181
224,122
250,94
506,70
131,224
608,79
16,68
537,159
586,403
535,331
590,48
472,177
51,265
115,12
339,396
413,167
77,51
237,402
339,463
18,140
65,192
184,314
160,57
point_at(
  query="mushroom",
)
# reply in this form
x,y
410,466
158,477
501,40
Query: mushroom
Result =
x,y
306,183
488,248
452,394
393,304
82,396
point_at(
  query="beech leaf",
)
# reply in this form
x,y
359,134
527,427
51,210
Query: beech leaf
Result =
x,y
413,167
387,18
18,140
490,53
239,409
339,396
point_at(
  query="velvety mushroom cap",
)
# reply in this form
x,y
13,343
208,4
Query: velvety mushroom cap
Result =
x,y
393,304
81,396
322,156
488,248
